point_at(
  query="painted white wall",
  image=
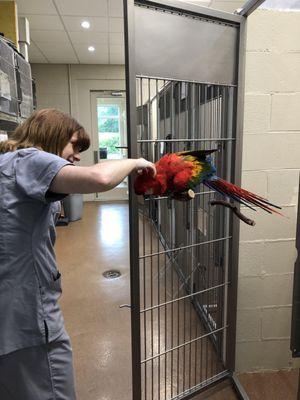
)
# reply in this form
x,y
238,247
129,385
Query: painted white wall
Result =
x,y
271,164
68,88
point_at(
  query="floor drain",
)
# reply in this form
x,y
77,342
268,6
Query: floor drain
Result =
x,y
112,274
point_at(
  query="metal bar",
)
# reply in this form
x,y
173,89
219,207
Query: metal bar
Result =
x,y
165,259
158,263
168,198
235,227
176,5
249,7
172,127
185,297
185,344
216,139
151,265
239,388
170,79
201,283
133,205
184,247
178,281
203,386
298,397
139,92
191,233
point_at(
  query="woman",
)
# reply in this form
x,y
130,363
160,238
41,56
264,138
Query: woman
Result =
x,y
36,170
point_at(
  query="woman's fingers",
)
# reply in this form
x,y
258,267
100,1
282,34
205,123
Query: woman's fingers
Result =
x,y
143,164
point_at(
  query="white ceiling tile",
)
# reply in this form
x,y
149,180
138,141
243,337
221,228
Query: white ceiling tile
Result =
x,y
102,59
115,8
62,59
82,50
35,55
58,51
116,38
227,5
37,60
117,59
116,25
41,22
98,24
89,38
99,56
36,7
94,8
49,37
61,56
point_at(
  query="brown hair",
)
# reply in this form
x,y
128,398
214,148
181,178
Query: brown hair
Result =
x,y
49,130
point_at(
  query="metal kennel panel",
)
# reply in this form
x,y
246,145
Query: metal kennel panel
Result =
x,y
183,272
183,254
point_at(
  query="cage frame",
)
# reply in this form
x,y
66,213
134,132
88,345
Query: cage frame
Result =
x,y
129,29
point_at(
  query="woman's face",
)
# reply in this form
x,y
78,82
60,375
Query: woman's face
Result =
x,y
71,150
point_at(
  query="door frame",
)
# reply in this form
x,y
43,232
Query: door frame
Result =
x,y
119,193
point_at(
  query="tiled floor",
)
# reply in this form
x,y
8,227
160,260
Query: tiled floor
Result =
x,y
100,330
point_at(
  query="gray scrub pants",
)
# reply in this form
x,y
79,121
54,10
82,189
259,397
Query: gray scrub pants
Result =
x,y
38,373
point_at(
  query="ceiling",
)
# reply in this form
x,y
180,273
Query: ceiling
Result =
x,y
57,36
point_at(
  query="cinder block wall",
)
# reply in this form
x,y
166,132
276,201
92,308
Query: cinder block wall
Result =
x,y
271,164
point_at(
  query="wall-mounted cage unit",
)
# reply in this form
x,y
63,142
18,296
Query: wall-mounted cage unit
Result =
x,y
24,85
8,81
184,71
16,93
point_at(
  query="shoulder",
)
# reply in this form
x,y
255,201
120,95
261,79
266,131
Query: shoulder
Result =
x,y
32,154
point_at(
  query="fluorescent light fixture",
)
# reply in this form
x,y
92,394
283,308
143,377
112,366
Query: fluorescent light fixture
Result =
x,y
91,48
85,24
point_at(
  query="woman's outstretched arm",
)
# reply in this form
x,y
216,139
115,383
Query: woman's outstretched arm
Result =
x,y
97,178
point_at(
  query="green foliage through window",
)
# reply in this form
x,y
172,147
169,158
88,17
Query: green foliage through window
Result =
x,y
109,125
110,141
108,119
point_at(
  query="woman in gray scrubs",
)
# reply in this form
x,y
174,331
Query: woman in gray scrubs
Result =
x,y
36,171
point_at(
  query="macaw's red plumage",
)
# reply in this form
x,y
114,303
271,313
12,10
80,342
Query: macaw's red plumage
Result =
x,y
173,174
179,172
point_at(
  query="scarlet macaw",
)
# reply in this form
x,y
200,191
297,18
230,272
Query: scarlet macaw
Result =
x,y
178,173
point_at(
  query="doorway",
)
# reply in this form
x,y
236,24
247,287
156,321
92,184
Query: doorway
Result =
x,y
109,136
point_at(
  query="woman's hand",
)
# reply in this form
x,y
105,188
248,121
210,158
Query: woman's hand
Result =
x,y
142,164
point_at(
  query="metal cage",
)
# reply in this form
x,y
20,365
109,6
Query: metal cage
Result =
x,y
183,254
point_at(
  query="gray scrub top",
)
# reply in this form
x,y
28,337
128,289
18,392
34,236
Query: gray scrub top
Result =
x,y
29,280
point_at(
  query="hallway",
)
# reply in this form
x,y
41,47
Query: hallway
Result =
x,y
99,329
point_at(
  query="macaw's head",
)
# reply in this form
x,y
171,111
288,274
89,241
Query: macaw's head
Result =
x,y
146,184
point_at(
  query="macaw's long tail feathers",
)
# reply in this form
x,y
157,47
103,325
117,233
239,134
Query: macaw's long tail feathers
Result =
x,y
241,195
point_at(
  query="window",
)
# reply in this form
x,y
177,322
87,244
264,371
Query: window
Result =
x,y
109,130
108,119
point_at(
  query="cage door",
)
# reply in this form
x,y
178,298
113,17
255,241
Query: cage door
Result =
x,y
182,74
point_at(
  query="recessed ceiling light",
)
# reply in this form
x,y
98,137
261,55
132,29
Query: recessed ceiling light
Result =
x,y
91,48
85,24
